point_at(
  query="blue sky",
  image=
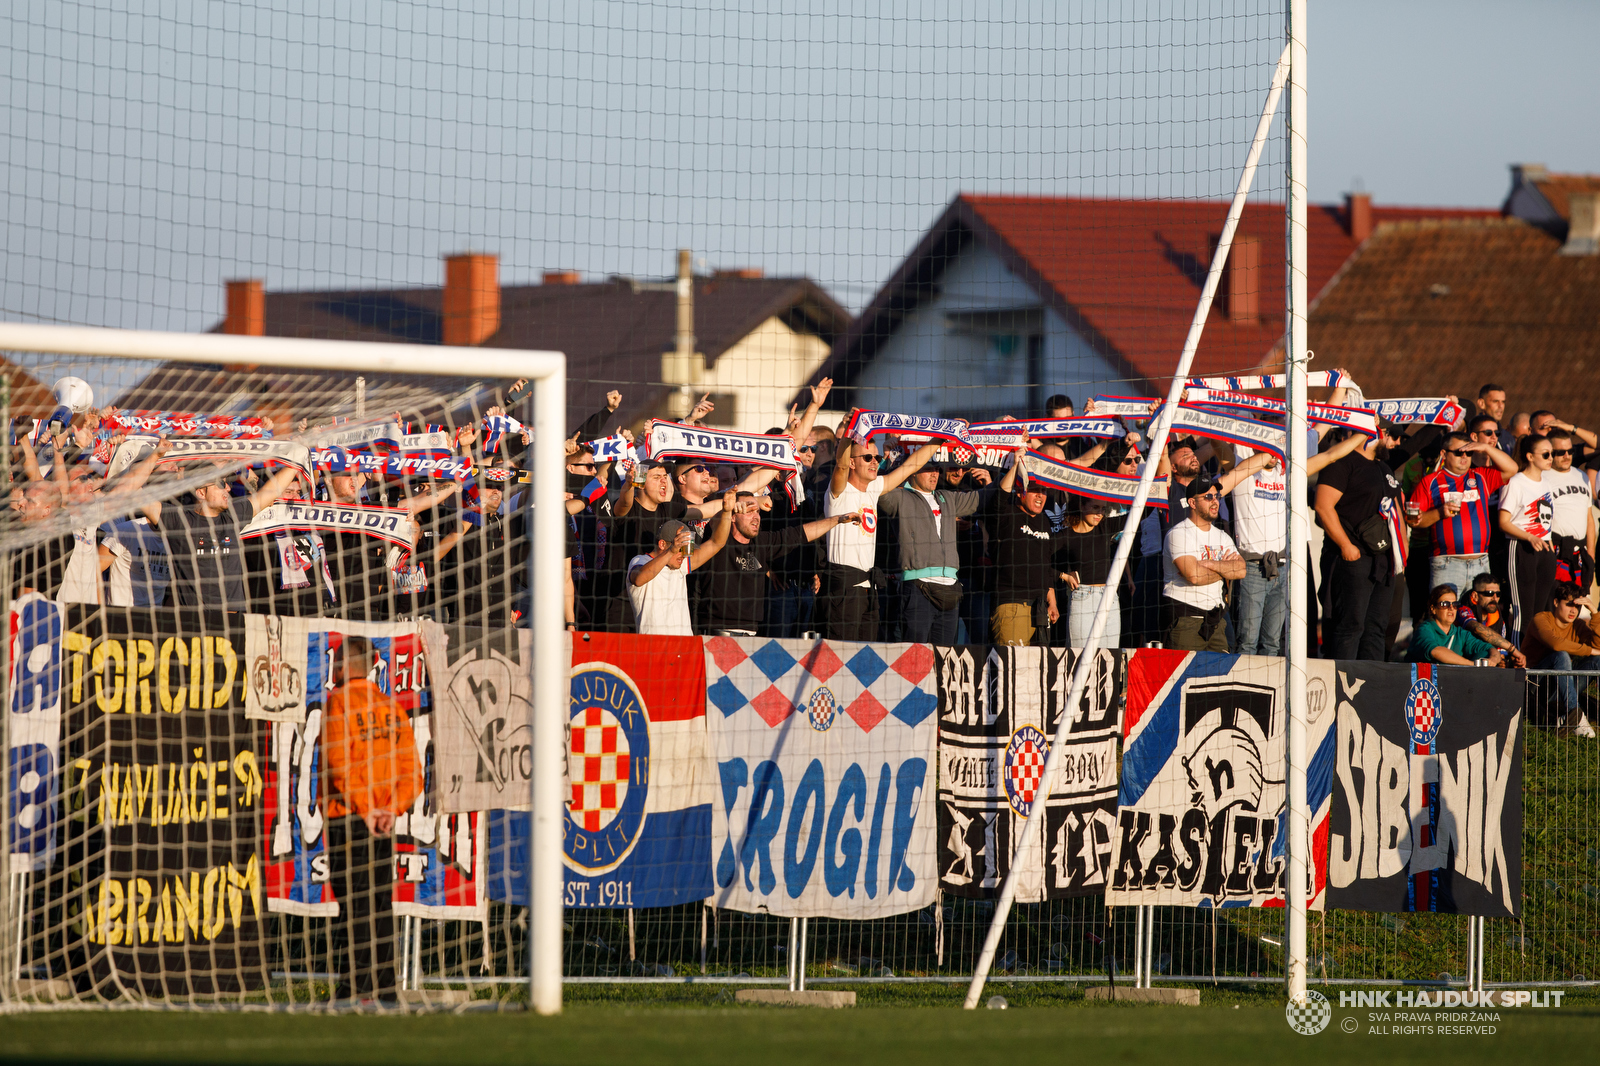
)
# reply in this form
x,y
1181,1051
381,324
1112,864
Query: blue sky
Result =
x,y
149,156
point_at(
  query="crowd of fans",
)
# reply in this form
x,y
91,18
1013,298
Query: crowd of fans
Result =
x,y
890,539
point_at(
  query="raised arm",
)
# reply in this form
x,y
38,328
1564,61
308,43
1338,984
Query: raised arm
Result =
x,y
1240,471
1351,442
268,494
841,467
818,527
434,496
719,532
808,418
897,477
1008,483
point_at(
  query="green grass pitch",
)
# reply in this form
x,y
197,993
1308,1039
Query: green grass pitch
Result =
x,y
675,1025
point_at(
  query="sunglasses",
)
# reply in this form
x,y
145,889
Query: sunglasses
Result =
x,y
1448,605
1212,495
1541,455
1129,460
582,466
1488,595
1559,452
867,457
1456,451
698,470
807,448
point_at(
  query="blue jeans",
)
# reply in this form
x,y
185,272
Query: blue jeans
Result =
x,y
924,623
1080,617
1261,610
1566,684
1457,570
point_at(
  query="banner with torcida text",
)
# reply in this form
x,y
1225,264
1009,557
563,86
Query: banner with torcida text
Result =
x,y
1427,793
998,714
825,758
1202,811
164,795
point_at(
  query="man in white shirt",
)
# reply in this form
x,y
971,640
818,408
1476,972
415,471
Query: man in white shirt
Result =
x,y
1572,511
1199,557
849,602
658,583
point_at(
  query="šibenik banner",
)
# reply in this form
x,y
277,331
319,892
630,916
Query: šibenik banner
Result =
x,y
1202,812
675,440
825,763
997,717
637,818
1427,801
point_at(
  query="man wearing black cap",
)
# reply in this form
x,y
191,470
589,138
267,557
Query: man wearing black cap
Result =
x,y
1025,579
1199,558
1356,497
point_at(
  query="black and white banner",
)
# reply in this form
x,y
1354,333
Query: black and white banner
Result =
x,y
675,440
998,713
1427,793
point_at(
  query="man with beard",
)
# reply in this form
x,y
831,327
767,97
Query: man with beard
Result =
x,y
1199,559
1025,595
736,577
1572,509
1355,496
929,560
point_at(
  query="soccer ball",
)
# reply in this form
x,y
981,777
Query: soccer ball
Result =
x,y
74,394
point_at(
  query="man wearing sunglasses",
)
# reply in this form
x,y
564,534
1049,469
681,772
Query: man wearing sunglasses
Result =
x,y
1454,502
1199,558
849,598
1572,509
1440,640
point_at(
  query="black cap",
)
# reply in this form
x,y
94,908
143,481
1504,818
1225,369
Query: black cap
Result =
x,y
1199,487
1182,442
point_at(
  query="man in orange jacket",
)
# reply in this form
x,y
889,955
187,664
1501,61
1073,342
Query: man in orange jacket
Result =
x,y
370,762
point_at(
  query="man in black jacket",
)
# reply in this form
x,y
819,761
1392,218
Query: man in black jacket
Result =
x,y
735,580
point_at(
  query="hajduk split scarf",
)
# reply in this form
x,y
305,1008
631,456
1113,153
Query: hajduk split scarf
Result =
x,y
399,464
1418,410
1314,379
1046,429
267,452
174,424
392,524
292,565
1194,421
1085,481
1360,419
867,424
676,440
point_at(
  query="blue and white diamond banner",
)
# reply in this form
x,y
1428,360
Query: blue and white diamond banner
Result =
x,y
825,768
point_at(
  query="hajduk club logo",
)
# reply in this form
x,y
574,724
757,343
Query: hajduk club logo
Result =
x,y
1024,766
1311,1016
1424,711
607,758
821,709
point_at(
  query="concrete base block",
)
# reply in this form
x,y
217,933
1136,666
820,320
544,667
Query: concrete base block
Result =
x,y
1172,997
44,990
434,997
774,997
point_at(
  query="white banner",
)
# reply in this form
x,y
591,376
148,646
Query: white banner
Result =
x,y
275,668
826,769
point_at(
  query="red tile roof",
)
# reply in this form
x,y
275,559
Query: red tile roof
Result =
x,y
1431,308
1555,188
1126,274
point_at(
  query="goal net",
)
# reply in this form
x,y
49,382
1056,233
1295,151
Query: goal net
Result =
x,y
226,583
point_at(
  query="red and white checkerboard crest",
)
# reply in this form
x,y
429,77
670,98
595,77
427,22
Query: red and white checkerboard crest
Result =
x,y
1024,766
598,764
822,709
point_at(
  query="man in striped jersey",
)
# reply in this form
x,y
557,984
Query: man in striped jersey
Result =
x,y
1454,501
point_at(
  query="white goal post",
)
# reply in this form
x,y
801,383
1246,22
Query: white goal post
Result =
x,y
547,373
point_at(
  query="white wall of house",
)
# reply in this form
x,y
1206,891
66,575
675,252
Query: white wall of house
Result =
x,y
931,367
763,371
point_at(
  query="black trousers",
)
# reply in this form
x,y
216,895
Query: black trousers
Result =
x,y
1530,578
849,612
361,869
1360,597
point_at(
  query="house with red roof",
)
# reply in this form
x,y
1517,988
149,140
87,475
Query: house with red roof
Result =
x,y
1008,299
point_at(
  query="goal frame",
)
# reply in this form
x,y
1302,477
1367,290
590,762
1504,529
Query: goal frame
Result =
x,y
547,372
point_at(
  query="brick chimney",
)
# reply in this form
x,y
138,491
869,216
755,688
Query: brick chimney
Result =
x,y
1358,215
1240,289
1583,224
562,277
746,273
471,299
247,308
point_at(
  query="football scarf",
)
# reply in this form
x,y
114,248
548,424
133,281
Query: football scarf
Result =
x,y
868,424
1095,484
978,433
1360,419
264,451
1418,410
676,440
292,565
392,524
174,424
1123,406
495,427
1261,436
1314,379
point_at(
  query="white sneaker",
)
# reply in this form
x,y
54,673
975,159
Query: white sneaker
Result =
x,y
1583,728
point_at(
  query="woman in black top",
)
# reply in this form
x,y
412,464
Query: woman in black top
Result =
x,y
1083,562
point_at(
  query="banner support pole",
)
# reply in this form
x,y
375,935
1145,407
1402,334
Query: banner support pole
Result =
x,y
1297,874
1158,441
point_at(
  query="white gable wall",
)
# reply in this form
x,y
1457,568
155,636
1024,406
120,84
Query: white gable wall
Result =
x,y
926,367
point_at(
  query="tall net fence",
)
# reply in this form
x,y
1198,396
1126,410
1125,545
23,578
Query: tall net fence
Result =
x,y
269,698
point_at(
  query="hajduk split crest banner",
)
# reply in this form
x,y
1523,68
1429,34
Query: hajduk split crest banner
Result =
x,y
636,828
1427,795
825,763
997,718
1202,810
